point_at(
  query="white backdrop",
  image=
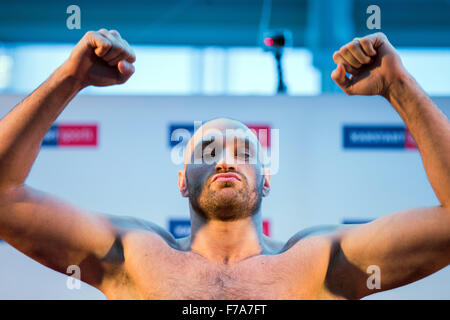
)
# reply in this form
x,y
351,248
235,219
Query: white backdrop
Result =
x,y
318,182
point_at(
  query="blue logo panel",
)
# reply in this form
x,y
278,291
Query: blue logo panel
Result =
x,y
374,137
180,133
180,228
51,137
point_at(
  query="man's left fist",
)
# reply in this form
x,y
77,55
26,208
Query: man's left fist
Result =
x,y
373,64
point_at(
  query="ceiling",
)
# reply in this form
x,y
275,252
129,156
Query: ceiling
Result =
x,y
213,22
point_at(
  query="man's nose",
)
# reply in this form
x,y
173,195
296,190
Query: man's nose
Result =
x,y
226,162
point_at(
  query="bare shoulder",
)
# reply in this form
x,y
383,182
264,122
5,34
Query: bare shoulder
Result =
x,y
135,238
308,248
312,252
126,225
316,234
137,241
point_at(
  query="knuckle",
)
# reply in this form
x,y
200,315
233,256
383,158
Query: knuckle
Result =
x,y
364,42
343,50
119,49
381,36
351,46
125,55
103,30
127,45
114,32
107,44
115,45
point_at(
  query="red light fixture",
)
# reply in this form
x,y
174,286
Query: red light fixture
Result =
x,y
268,42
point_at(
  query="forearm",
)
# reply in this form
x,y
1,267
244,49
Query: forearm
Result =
x,y
430,129
24,127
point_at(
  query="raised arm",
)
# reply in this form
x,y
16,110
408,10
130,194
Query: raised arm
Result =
x,y
410,244
47,229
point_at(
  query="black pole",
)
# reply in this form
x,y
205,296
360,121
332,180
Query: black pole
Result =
x,y
281,89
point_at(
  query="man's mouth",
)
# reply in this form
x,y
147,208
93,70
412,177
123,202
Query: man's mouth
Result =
x,y
226,177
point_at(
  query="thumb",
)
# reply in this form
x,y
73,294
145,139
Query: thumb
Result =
x,y
126,69
339,76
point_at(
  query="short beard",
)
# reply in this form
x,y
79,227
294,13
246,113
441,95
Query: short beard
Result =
x,y
211,206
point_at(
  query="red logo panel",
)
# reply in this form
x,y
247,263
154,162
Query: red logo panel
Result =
x,y
262,132
266,227
410,143
77,135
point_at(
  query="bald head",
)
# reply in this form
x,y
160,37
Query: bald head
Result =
x,y
225,128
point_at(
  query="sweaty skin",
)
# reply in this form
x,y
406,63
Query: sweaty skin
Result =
x,y
227,256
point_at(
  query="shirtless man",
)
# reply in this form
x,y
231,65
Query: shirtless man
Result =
x,y
227,256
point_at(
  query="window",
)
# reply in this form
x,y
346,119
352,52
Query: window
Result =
x,y
183,70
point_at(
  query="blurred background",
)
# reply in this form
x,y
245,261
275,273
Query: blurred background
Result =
x,y
213,47
268,63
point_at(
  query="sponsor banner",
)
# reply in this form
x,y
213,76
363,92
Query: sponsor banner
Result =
x,y
182,132
377,137
266,227
355,220
262,132
71,135
410,143
180,228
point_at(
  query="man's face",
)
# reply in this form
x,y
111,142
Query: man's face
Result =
x,y
223,172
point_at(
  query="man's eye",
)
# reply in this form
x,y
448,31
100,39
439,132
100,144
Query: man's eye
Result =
x,y
210,152
244,155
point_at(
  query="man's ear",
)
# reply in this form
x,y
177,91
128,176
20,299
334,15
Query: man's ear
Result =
x,y
182,183
266,186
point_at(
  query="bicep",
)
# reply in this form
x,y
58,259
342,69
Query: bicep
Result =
x,y
406,246
55,233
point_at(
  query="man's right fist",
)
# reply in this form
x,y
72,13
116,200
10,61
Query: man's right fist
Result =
x,y
101,58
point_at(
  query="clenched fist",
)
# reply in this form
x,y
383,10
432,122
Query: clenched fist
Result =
x,y
101,58
373,64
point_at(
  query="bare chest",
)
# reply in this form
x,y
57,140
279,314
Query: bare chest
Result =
x,y
205,281
185,275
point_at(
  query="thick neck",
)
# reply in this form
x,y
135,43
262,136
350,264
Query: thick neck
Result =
x,y
226,242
